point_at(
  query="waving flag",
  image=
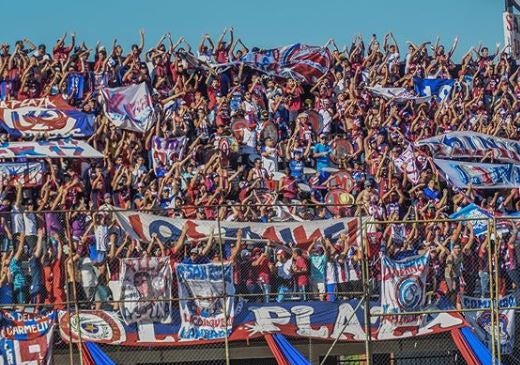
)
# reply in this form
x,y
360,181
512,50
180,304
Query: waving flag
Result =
x,y
29,174
52,149
51,115
471,145
398,94
407,163
441,88
480,175
480,216
129,107
297,61
165,151
141,226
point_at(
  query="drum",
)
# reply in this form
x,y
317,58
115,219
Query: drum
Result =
x,y
316,121
270,131
342,180
237,126
342,149
336,197
228,145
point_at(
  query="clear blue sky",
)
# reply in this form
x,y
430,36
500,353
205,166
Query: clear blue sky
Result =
x,y
264,23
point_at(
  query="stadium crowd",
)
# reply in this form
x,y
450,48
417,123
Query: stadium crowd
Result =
x,y
199,93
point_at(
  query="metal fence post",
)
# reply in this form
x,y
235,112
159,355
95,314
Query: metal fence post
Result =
x,y
497,294
224,297
68,235
491,292
366,293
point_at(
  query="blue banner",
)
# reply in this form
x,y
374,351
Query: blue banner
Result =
x,y
75,85
474,211
441,88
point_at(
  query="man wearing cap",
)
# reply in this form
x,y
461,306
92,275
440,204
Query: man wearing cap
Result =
x,y
284,275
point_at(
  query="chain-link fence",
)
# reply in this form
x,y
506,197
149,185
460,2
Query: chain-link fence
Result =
x,y
150,288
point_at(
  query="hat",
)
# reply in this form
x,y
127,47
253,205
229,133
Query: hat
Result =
x,y
194,251
107,195
280,252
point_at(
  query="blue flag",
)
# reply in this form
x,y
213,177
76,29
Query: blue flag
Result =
x,y
75,85
433,87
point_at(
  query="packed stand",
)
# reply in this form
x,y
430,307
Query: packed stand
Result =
x,y
200,93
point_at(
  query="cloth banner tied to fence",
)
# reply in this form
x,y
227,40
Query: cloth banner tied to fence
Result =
x,y
481,320
403,290
206,302
26,338
141,226
146,289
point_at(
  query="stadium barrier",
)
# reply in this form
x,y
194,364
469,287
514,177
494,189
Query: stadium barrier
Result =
x,y
338,317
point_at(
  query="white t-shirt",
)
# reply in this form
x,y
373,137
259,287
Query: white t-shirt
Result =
x,y
283,269
30,224
88,275
18,221
101,236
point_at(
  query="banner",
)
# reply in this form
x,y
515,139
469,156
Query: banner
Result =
x,y
146,289
403,290
141,226
512,33
51,116
480,175
52,149
29,174
441,88
165,151
324,321
398,94
26,338
407,164
481,320
75,85
129,107
474,211
472,145
206,302
297,61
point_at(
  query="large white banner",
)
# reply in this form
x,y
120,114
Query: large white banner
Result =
x,y
512,33
129,107
146,289
141,226
52,149
481,320
206,302
472,145
480,175
402,290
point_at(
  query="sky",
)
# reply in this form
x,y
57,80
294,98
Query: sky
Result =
x,y
263,23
